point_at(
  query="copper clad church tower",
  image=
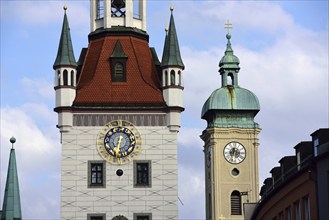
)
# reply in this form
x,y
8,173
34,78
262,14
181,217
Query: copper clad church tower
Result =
x,y
118,114
231,144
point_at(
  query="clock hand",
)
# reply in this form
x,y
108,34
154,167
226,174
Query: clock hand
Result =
x,y
117,149
235,152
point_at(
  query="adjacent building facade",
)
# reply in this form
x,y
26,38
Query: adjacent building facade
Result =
x,y
230,144
118,115
298,188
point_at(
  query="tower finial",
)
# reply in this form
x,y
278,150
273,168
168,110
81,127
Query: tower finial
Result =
x,y
171,6
65,8
228,25
12,141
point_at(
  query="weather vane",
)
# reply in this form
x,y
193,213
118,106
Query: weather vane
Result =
x,y
228,25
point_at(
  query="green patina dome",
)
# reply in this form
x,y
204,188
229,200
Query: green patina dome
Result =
x,y
231,98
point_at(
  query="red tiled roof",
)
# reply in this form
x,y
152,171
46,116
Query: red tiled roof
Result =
x,y
142,86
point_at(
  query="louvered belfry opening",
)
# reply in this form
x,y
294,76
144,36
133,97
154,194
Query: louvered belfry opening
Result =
x,y
236,203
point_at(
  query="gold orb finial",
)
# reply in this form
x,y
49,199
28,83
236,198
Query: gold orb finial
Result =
x,y
65,7
166,29
171,8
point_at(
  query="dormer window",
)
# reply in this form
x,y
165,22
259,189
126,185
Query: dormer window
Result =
x,y
118,61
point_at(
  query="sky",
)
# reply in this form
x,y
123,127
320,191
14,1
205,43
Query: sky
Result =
x,y
283,52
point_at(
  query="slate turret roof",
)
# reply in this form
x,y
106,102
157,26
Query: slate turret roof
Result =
x,y
171,53
65,54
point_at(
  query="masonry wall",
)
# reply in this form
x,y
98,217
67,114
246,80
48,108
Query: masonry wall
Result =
x,y
119,197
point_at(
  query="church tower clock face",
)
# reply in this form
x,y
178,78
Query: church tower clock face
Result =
x,y
118,142
234,153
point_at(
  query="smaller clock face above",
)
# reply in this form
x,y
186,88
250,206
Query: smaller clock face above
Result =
x,y
234,152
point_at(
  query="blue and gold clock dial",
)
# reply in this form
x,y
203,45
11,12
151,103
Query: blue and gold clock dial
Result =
x,y
118,142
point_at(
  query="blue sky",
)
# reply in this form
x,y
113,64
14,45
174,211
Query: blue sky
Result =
x,y
282,47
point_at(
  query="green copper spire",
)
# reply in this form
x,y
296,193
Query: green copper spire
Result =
x,y
230,105
229,61
65,55
171,54
11,209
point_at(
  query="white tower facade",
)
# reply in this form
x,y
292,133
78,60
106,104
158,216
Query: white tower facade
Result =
x,y
118,121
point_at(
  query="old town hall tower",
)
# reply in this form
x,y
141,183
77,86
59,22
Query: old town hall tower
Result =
x,y
231,144
118,115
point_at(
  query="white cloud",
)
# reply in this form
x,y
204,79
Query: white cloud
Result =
x,y
38,88
190,138
191,193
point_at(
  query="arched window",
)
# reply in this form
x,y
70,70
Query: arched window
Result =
x,y
172,77
230,79
236,203
72,78
65,78
179,78
58,77
166,78
118,8
119,217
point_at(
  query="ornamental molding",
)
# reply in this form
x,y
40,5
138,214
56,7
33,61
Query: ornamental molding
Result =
x,y
103,119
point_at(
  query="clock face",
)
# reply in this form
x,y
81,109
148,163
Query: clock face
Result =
x,y
234,152
118,142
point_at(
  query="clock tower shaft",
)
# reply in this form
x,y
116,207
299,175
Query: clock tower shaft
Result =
x,y
118,115
230,144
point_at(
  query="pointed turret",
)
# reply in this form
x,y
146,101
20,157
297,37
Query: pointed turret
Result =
x,y
172,80
11,208
65,67
65,54
171,53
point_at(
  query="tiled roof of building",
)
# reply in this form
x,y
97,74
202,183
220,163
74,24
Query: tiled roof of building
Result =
x,y
95,86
